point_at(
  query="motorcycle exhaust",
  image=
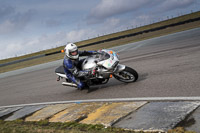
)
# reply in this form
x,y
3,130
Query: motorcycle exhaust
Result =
x,y
69,84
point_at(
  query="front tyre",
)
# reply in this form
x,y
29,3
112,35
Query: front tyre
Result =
x,y
128,75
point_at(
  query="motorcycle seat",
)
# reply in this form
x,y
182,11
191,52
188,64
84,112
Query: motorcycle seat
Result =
x,y
60,69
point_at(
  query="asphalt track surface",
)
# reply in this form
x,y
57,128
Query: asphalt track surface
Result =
x,y
168,66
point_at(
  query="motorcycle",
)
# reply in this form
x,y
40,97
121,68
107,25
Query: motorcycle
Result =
x,y
106,65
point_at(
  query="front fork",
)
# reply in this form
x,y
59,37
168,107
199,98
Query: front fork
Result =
x,y
118,69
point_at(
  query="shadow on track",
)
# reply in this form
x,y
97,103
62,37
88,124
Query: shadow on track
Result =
x,y
113,83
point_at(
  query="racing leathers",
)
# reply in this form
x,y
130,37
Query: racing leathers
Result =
x,y
72,68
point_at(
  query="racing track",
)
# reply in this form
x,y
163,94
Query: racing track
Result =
x,y
168,66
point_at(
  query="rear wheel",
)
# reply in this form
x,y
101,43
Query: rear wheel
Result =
x,y
128,75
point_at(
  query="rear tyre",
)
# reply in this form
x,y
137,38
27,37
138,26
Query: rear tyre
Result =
x,y
128,75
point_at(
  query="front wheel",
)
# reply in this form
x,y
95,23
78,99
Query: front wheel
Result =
x,y
128,75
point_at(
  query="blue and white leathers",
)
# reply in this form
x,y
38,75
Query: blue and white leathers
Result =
x,y
72,68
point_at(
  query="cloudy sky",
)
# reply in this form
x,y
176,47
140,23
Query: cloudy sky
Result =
x,y
32,25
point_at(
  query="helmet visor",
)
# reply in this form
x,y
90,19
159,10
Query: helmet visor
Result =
x,y
74,53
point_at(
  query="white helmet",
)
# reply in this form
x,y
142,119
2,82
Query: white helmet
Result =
x,y
71,51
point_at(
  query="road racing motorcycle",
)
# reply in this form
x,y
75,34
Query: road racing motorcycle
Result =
x,y
106,65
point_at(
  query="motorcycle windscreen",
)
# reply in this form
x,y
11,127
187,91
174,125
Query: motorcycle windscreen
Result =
x,y
101,56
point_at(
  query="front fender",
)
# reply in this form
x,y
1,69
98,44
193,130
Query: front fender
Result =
x,y
119,68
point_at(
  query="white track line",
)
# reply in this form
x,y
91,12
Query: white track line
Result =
x,y
150,99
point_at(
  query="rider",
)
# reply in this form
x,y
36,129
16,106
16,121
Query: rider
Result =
x,y
72,64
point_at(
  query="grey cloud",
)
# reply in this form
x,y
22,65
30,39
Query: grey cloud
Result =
x,y
169,5
16,22
52,23
21,19
108,8
6,10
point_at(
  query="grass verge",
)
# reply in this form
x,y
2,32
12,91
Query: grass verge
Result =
x,y
19,126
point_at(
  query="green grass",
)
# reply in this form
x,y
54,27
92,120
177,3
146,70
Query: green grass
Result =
x,y
107,44
19,126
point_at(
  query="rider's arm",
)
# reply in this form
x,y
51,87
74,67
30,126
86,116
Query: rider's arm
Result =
x,y
87,53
